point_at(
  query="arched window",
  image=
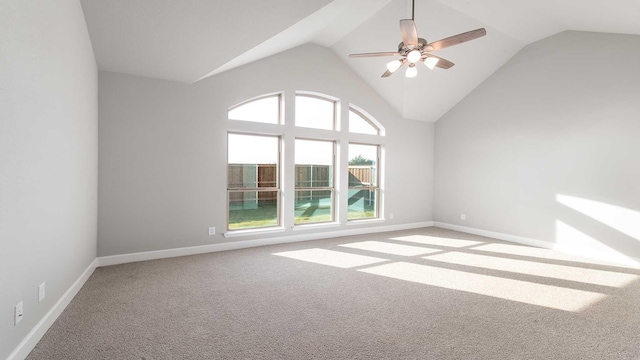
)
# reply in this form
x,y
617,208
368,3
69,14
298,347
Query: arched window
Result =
x,y
265,109
313,111
256,166
361,123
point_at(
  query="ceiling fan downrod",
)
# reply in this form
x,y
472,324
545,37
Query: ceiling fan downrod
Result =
x,y
413,9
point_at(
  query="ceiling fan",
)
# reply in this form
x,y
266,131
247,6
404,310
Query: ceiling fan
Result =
x,y
413,49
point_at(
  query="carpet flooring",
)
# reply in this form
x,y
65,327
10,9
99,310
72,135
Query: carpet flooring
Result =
x,y
417,294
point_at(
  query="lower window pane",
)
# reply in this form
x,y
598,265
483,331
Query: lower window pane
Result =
x,y
253,209
313,206
362,204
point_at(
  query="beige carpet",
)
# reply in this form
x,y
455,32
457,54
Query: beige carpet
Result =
x,y
420,294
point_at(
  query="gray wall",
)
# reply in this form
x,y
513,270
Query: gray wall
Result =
x,y
547,148
163,150
48,157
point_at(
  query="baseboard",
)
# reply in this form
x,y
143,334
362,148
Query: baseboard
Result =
x,y
235,245
496,235
31,340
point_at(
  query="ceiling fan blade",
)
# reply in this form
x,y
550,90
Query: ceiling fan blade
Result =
x,y
387,74
442,63
375,54
456,39
409,32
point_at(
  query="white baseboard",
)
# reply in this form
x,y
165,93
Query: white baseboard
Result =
x,y
496,235
31,340
234,245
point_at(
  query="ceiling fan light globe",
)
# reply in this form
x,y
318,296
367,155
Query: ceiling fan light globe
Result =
x,y
414,56
412,71
431,62
394,65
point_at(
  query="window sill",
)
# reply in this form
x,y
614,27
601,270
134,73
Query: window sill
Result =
x,y
315,226
236,233
365,221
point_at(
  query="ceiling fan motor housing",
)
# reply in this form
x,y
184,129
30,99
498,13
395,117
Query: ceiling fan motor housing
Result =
x,y
404,50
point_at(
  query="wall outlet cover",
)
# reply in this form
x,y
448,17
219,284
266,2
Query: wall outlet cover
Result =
x,y
18,313
212,231
41,292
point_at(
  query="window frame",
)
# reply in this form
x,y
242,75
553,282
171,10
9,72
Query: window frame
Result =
x,y
336,110
277,189
376,189
367,118
380,130
280,115
331,188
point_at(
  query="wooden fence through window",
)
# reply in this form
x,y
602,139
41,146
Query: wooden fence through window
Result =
x,y
242,176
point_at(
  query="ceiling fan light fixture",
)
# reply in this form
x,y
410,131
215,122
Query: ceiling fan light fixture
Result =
x,y
394,65
431,62
414,56
412,71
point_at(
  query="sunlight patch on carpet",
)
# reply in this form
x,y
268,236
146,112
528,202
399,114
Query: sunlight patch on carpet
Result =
x,y
563,272
553,297
545,254
434,240
389,248
331,258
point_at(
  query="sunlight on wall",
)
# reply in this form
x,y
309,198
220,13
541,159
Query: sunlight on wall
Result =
x,y
433,240
389,248
627,221
553,271
331,258
573,241
521,291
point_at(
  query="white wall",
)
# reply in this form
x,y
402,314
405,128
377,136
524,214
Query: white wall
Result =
x,y
48,157
163,150
547,148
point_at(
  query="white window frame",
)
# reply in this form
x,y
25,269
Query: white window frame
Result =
x,y
277,189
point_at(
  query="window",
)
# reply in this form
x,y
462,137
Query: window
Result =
x,y
314,200
315,112
253,186
359,123
364,190
256,189
264,109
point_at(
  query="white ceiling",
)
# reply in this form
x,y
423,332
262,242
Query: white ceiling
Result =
x,y
190,40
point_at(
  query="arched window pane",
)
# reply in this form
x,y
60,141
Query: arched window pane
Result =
x,y
358,124
263,110
313,112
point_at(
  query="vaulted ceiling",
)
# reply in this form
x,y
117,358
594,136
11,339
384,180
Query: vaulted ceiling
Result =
x,y
189,40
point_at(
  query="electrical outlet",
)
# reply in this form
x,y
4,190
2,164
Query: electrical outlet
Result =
x,y
391,216
463,217
18,313
41,293
212,231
